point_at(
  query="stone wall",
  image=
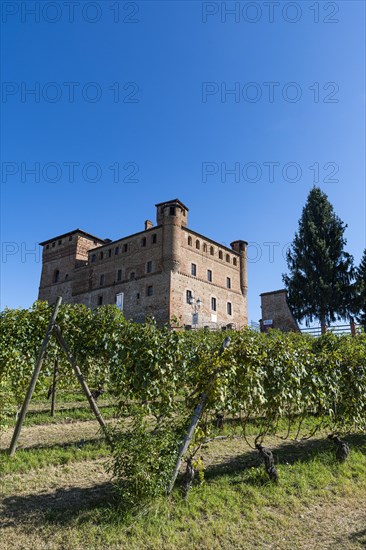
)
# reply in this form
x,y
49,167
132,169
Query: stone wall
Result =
x,y
275,308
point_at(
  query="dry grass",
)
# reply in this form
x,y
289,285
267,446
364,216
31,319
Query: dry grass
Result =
x,y
72,506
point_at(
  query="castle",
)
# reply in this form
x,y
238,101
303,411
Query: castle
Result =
x,y
167,270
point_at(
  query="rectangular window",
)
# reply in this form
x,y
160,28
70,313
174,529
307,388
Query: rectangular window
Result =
x,y
172,211
154,238
101,280
228,282
149,291
125,247
149,267
109,253
143,241
119,275
229,308
116,250
94,257
209,275
213,304
119,300
100,300
189,296
193,270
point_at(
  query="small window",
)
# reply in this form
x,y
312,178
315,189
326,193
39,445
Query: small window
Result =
x,y
193,270
209,275
119,275
149,291
59,242
143,241
189,241
125,247
100,300
132,275
138,295
101,255
228,282
66,276
116,250
212,250
228,258
93,257
56,276
229,308
172,211
101,280
234,261
109,253
189,296
47,246
197,244
220,254
213,304
154,238
70,238
53,245
204,247
149,267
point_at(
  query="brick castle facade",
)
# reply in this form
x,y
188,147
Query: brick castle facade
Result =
x,y
167,270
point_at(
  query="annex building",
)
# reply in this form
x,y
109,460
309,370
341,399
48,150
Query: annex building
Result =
x,y
167,270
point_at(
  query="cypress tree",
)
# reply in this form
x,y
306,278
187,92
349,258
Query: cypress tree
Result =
x,y
319,283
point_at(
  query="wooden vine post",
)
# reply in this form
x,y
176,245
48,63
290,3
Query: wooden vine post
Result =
x,y
52,327
32,385
54,381
195,418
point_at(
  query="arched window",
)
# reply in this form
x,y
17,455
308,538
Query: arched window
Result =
x,y
234,261
228,258
204,247
212,250
190,241
132,275
197,244
220,254
56,276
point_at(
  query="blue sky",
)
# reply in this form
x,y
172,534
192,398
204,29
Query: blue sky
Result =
x,y
132,106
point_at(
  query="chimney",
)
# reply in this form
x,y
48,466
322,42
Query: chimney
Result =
x,y
148,224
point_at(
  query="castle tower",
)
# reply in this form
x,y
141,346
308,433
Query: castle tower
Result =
x,y
241,247
60,257
172,216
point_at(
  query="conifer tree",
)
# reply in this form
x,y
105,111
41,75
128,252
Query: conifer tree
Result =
x,y
319,283
361,292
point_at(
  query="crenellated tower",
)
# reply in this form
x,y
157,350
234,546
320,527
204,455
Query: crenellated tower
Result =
x,y
172,216
241,248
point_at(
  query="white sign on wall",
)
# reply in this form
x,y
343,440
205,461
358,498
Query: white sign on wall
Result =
x,y
119,300
194,319
268,322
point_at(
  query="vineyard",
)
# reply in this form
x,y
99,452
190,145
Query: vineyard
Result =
x,y
259,390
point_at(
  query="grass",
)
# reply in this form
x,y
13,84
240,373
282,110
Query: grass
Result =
x,y
25,460
59,496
